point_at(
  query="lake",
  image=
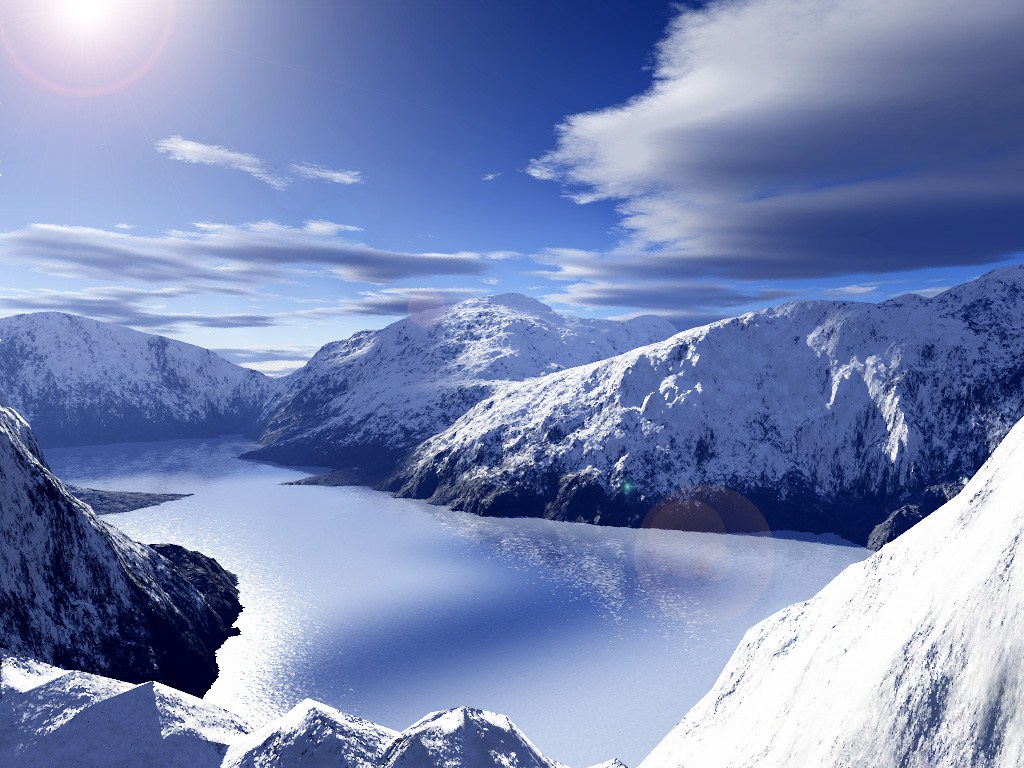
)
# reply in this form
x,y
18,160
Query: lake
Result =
x,y
595,641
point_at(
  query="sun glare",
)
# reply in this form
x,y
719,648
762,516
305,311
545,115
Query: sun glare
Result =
x,y
85,47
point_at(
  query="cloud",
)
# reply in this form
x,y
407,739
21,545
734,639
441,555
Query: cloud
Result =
x,y
809,138
401,301
686,304
188,151
127,306
490,176
220,255
853,290
319,172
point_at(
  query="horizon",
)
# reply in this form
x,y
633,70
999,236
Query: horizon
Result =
x,y
261,179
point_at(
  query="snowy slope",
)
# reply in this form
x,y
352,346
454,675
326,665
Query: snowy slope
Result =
x,y
911,658
78,593
464,738
53,718
829,416
368,399
79,381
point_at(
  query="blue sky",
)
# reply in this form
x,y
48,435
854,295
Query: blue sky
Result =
x,y
262,177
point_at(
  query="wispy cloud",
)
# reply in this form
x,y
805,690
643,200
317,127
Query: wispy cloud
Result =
x,y
138,308
685,304
188,151
402,301
490,176
221,255
808,138
319,172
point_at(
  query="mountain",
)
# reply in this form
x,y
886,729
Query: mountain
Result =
x,y
820,416
367,400
312,735
49,717
464,738
911,658
76,592
79,382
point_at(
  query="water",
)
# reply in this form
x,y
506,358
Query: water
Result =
x,y
595,641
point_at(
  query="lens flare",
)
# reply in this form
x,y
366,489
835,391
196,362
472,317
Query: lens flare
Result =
x,y
85,47
717,578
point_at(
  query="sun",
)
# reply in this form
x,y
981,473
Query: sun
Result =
x,y
84,47
86,17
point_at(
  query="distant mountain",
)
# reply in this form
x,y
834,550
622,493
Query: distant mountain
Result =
x,y
911,658
367,400
79,382
76,592
827,416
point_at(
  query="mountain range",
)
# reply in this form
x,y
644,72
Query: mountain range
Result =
x,y
366,401
844,417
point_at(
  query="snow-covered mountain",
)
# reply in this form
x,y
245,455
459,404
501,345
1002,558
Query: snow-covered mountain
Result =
x,y
312,735
463,737
367,400
76,592
828,416
50,717
911,658
79,382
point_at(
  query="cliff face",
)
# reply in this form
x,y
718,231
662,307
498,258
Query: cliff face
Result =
x,y
76,592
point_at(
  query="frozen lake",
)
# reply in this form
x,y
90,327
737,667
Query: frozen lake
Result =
x,y
595,641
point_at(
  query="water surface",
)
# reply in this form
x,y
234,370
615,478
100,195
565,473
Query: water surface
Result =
x,y
595,641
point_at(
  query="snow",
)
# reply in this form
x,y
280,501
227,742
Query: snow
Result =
x,y
828,415
911,658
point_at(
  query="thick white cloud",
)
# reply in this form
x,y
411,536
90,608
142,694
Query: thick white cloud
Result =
x,y
794,138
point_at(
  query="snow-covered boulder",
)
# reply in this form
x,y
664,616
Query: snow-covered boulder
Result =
x,y
827,416
911,658
77,593
367,400
79,382
312,735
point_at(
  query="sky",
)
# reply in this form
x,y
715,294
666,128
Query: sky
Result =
x,y
262,177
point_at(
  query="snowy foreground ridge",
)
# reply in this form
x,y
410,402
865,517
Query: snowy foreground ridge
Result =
x,y
50,717
913,658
